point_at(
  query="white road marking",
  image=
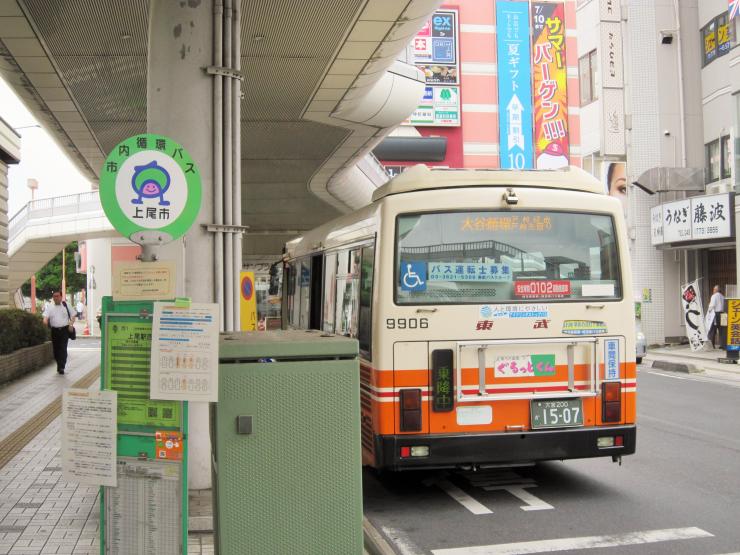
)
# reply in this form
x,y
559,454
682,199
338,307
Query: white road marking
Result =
x,y
463,498
401,542
586,542
668,375
533,503
512,482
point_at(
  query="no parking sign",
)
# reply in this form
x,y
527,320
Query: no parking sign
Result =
x,y
248,308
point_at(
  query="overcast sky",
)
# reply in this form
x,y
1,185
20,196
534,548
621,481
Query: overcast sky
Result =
x,y
41,158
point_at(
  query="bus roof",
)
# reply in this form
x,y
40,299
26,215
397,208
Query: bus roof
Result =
x,y
421,177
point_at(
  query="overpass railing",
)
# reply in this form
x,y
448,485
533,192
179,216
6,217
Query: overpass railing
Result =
x,y
55,206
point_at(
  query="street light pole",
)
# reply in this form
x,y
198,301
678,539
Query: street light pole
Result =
x,y
33,185
64,273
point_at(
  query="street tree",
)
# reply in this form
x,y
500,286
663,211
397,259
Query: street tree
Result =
x,y
49,278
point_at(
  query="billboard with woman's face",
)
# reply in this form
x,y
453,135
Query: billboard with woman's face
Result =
x,y
615,180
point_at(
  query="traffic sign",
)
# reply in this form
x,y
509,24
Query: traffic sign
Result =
x,y
150,189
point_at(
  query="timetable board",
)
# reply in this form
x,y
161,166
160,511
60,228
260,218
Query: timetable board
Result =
x,y
147,512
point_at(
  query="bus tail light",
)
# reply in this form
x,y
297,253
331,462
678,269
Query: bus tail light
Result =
x,y
410,410
414,451
610,441
611,402
443,380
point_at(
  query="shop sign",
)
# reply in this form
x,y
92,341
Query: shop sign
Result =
x,y
711,217
733,324
610,10
440,108
702,218
656,225
716,39
434,50
677,221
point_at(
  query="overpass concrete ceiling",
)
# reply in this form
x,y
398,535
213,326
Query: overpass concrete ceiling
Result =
x,y
81,66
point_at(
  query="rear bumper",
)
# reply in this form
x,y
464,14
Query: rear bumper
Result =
x,y
447,451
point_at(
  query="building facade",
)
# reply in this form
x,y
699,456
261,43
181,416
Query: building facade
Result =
x,y
502,88
680,128
10,153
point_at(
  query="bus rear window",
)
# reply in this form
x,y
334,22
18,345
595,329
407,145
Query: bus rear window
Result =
x,y
489,257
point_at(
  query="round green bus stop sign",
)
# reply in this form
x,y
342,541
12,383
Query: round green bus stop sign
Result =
x,y
150,189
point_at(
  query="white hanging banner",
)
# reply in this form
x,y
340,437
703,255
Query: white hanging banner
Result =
x,y
693,315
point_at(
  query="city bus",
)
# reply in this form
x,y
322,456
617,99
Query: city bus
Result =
x,y
493,311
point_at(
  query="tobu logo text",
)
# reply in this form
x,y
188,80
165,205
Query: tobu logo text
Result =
x,y
542,289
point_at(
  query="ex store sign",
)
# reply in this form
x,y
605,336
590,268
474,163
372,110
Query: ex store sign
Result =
x,y
705,218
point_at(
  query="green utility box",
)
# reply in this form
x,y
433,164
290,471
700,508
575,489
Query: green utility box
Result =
x,y
285,435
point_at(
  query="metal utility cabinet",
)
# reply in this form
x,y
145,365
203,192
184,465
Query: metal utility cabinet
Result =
x,y
285,435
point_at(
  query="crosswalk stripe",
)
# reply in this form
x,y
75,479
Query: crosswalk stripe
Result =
x,y
585,542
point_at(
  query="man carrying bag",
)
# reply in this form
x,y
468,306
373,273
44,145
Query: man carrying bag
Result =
x,y
61,321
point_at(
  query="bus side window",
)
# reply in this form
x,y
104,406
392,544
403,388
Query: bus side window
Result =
x,y
289,293
303,306
348,277
330,297
366,300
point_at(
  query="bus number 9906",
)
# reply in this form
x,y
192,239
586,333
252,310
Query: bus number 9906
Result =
x,y
406,323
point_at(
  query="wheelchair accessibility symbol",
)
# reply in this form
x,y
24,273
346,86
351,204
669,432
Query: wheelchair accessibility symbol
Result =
x,y
413,276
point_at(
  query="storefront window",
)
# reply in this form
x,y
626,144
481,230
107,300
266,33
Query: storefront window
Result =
x,y
587,68
726,160
711,162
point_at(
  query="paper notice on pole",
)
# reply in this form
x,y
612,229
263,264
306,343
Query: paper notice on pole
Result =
x,y
143,280
89,436
185,352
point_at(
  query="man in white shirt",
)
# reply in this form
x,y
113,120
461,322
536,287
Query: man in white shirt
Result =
x,y
60,318
715,308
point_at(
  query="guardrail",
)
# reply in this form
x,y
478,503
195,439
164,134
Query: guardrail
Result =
x,y
55,206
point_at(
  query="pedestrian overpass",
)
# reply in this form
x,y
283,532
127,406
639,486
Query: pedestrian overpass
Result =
x,y
40,230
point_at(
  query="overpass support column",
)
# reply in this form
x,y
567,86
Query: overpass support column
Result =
x,y
180,106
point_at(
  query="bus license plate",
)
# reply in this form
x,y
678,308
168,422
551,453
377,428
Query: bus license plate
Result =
x,y
557,413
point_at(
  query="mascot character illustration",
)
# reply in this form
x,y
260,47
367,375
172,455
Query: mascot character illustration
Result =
x,y
150,181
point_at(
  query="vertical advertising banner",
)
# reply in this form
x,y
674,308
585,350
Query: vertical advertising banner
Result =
x,y
514,85
550,86
693,315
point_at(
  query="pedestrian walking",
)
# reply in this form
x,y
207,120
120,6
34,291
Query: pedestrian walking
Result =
x,y
60,318
715,308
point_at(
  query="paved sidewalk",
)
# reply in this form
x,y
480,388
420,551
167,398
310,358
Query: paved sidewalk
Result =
x,y
39,511
681,358
24,397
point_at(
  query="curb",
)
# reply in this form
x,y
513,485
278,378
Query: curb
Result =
x,y
375,543
684,367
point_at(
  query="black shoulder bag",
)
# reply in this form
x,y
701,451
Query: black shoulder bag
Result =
x,y
72,334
